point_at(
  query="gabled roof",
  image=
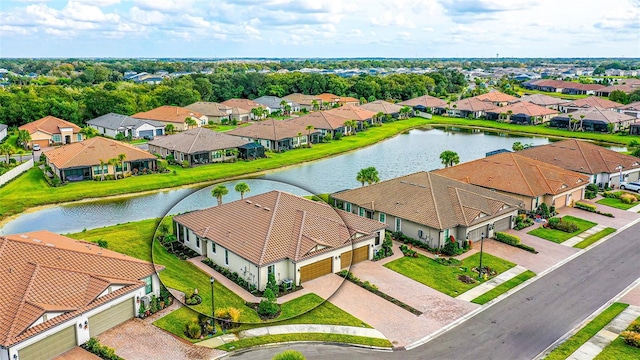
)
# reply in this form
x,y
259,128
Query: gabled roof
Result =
x,y
49,272
496,96
245,104
516,174
382,106
598,114
49,125
115,121
582,156
198,140
89,152
634,106
348,99
472,104
524,107
304,99
209,108
273,102
426,101
327,97
627,88
352,112
593,101
542,99
319,120
166,113
431,199
281,226
270,129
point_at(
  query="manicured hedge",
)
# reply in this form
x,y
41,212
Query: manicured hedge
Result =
x,y
585,206
507,238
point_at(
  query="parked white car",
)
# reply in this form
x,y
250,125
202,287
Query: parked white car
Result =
x,y
632,186
36,147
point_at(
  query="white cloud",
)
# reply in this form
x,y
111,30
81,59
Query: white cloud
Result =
x,y
392,19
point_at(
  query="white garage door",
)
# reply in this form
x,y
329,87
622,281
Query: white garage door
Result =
x,y
503,224
476,234
51,346
111,317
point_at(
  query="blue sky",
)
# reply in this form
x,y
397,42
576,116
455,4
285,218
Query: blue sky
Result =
x,y
319,28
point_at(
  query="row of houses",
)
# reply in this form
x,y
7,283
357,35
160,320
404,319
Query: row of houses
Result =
x,y
574,88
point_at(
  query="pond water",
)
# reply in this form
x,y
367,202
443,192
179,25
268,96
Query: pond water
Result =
x,y
416,150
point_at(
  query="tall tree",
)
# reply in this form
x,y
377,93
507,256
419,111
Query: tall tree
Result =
x,y
170,129
309,129
121,158
6,150
242,188
218,192
449,158
368,175
191,122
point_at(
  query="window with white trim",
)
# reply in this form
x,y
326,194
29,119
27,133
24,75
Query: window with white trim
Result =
x,y
361,211
148,285
213,247
398,224
226,257
382,217
347,207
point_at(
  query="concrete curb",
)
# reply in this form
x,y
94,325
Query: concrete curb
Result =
x,y
275,345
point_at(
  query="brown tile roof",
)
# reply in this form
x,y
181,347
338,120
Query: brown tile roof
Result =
x,y
281,226
49,125
426,101
524,107
303,99
270,129
598,114
542,99
495,96
627,88
245,104
382,106
431,199
633,106
198,140
581,156
209,108
352,112
330,98
348,99
592,101
472,104
89,152
166,113
560,84
319,120
516,174
50,272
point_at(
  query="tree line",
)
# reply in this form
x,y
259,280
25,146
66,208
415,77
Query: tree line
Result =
x,y
20,104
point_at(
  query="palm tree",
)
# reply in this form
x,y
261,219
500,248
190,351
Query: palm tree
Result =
x,y
242,188
405,111
509,113
256,112
283,105
170,129
379,116
299,138
361,176
101,169
24,138
449,158
265,113
368,175
581,119
113,162
287,109
314,105
121,158
218,192
570,126
350,124
309,129
7,150
190,122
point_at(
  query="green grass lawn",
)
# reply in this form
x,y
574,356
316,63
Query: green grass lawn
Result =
x,y
595,237
554,94
573,343
558,236
616,203
445,278
618,349
504,287
335,338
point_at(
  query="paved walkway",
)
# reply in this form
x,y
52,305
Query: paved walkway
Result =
x,y
583,235
604,337
634,209
491,284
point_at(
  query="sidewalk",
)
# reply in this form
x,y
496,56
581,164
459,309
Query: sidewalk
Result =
x,y
583,235
634,209
491,284
604,337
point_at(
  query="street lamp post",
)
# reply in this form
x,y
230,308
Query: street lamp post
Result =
x,y
481,246
213,312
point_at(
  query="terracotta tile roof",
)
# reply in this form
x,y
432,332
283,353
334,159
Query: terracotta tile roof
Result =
x,y
304,99
330,98
593,101
542,99
516,174
89,152
166,113
598,114
270,129
319,120
627,88
635,106
472,104
581,156
209,108
50,272
524,107
426,101
352,112
241,103
282,226
49,125
348,99
495,96
431,199
198,140
382,106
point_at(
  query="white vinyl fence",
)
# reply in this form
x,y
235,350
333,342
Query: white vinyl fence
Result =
x,y
15,172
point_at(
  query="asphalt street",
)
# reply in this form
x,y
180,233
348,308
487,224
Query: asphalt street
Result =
x,y
527,322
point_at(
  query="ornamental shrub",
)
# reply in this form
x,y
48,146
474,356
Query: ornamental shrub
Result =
x,y
193,330
268,306
628,198
507,238
584,206
289,355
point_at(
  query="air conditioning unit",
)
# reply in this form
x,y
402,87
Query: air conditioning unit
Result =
x,y
146,301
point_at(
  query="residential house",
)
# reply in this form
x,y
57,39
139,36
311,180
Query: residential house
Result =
x,y
594,119
214,111
348,100
426,103
352,112
385,107
3,131
329,100
81,160
574,88
241,109
274,135
305,101
547,85
565,87
274,103
50,131
198,146
173,115
112,124
58,292
282,234
532,181
589,102
632,109
604,166
547,101
470,107
522,112
496,98
626,88
324,122
432,208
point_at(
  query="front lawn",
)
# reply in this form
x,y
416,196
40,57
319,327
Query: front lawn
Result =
x,y
595,237
618,349
504,287
558,236
445,278
617,203
325,338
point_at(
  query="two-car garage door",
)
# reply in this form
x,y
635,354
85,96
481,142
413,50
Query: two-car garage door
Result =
x,y
359,254
111,317
315,270
51,346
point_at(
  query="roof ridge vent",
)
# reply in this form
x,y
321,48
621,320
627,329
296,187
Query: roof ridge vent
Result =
x,y
258,205
266,208
24,236
249,202
37,240
50,245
